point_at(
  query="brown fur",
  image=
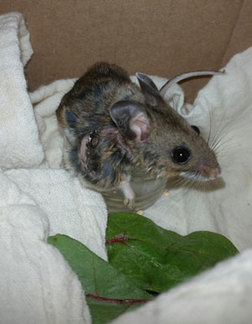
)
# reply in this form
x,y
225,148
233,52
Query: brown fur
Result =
x,y
133,127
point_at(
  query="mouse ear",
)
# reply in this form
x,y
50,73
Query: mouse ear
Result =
x,y
149,89
71,118
131,119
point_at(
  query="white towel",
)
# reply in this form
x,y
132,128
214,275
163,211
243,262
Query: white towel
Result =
x,y
36,283
19,142
38,198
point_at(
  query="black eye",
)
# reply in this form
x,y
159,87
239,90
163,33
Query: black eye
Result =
x,y
196,129
180,155
93,140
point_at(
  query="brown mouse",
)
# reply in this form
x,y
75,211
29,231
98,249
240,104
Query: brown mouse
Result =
x,y
112,126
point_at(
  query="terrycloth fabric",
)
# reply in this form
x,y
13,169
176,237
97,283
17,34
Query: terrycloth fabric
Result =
x,y
36,283
38,198
19,142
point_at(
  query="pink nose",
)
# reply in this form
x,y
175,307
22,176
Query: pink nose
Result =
x,y
214,173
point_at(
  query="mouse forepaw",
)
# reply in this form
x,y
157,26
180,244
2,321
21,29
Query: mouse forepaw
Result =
x,y
128,194
129,203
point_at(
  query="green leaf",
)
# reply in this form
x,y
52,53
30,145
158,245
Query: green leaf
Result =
x,y
157,259
143,258
109,293
105,312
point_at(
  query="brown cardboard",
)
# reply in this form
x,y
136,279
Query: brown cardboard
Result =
x,y
160,37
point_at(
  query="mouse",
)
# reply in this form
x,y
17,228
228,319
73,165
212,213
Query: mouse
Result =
x,y
112,126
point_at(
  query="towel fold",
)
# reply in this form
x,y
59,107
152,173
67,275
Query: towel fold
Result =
x,y
19,141
36,283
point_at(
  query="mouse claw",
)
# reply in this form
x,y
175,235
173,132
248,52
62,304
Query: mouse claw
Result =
x,y
129,203
129,194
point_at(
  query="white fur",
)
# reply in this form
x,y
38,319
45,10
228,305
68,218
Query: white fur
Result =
x,y
193,176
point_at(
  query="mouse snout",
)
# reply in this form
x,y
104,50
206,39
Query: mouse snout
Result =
x,y
210,172
214,173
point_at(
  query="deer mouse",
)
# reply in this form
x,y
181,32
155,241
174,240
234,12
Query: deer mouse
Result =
x,y
112,126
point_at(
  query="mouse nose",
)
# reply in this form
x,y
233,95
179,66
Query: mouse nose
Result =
x,y
214,173
210,172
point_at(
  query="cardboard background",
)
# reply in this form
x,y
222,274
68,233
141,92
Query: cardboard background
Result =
x,y
159,37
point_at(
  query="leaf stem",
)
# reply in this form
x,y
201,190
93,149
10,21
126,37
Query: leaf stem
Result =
x,y
116,300
120,239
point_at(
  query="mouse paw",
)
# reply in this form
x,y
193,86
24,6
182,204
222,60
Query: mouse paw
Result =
x,y
129,203
128,194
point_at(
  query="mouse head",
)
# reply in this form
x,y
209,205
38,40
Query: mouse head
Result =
x,y
164,142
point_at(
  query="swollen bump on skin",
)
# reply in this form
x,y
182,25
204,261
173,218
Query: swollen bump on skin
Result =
x,y
140,126
83,151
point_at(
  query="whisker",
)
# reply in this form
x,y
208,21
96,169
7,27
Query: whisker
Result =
x,y
221,126
210,125
219,135
221,142
230,125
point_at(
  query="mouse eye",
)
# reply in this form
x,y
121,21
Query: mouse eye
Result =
x,y
181,155
93,140
196,129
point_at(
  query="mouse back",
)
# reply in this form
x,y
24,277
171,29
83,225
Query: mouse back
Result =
x,y
97,147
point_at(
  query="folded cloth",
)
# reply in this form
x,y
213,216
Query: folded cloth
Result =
x,y
19,141
36,283
38,198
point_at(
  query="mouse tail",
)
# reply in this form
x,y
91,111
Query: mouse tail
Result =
x,y
184,76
